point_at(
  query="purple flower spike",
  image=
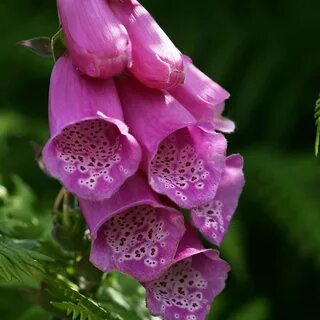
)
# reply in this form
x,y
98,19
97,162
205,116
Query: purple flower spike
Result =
x,y
132,232
183,162
90,150
97,42
213,218
187,290
204,98
156,62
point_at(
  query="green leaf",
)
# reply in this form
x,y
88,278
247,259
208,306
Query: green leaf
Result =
x,y
58,46
317,118
18,258
66,297
46,46
39,45
17,214
114,293
76,311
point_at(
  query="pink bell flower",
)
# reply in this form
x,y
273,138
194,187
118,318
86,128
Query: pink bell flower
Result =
x,y
182,161
133,232
90,149
213,218
187,289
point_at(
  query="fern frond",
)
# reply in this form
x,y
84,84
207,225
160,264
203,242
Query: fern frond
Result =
x,y
75,304
17,259
76,311
317,118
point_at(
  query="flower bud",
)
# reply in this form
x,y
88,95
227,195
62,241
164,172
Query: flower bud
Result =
x,y
156,62
204,98
97,42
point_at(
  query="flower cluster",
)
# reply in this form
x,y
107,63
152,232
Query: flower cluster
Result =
x,y
136,132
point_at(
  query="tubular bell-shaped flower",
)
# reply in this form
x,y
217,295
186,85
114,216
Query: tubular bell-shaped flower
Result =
x,y
133,232
213,218
183,162
204,98
90,150
187,289
156,62
97,42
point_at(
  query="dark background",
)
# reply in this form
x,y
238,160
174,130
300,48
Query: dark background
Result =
x,y
267,54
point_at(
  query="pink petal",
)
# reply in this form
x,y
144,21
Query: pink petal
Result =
x,y
188,288
156,62
97,42
133,232
203,97
90,150
183,162
213,218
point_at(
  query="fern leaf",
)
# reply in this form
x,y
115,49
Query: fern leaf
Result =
x,y
75,304
317,118
18,260
76,311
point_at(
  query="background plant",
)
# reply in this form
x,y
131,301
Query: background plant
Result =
x,y
266,53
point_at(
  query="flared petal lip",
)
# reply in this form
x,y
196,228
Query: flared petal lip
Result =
x,y
219,123
196,124
153,203
190,252
123,128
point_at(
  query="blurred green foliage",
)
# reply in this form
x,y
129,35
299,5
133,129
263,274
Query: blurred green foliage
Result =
x,y
266,53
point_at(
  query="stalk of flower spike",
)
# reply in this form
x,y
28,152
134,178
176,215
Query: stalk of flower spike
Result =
x,y
187,289
156,62
183,161
204,98
213,218
97,42
90,150
133,232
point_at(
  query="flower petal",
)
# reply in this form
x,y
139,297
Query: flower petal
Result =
x,y
90,150
202,96
97,42
188,288
132,232
213,218
156,62
188,166
183,162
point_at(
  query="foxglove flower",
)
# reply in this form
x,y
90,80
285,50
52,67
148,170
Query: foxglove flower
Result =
x,y
97,42
183,162
213,218
187,289
90,150
204,98
156,62
133,232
